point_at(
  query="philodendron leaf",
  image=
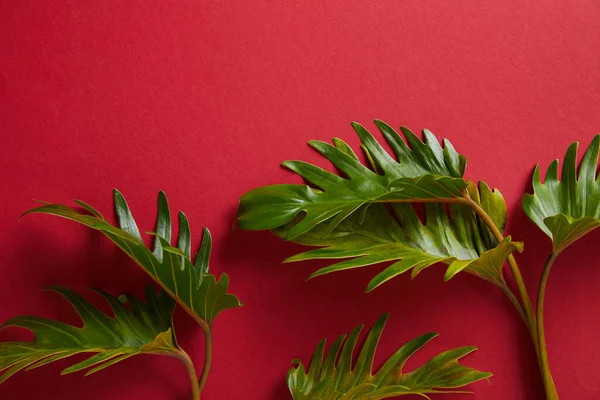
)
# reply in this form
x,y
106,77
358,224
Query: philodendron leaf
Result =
x,y
189,283
566,210
427,170
346,217
144,328
335,376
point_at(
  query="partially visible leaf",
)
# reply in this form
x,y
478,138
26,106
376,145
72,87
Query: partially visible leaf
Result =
x,y
493,204
456,241
191,285
568,209
146,328
335,376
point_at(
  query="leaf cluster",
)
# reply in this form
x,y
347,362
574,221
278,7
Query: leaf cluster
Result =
x,y
137,327
366,214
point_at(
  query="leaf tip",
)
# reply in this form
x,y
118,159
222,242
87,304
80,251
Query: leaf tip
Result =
x,y
290,259
117,193
448,275
314,275
288,164
53,288
316,144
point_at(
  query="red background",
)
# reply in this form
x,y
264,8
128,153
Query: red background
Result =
x,y
203,99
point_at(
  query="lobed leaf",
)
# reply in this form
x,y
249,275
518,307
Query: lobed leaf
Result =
x,y
335,376
346,218
335,198
569,208
144,328
189,283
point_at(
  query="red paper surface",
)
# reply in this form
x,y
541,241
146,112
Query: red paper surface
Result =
x,y
204,99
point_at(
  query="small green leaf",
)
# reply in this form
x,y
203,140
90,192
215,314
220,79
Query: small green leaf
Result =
x,y
336,377
568,209
190,284
145,329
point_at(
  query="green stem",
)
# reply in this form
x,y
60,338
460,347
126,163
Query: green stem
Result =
x,y
535,323
189,365
514,268
513,299
207,355
549,387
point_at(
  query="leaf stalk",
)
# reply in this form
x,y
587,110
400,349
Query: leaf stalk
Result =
x,y
514,268
549,386
208,348
535,323
189,366
513,299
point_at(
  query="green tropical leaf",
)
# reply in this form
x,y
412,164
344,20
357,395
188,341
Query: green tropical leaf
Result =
x,y
144,328
189,283
427,165
334,376
568,209
347,217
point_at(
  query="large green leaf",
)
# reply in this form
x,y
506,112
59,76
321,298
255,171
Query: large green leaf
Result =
x,y
426,166
345,215
335,376
570,208
190,284
144,328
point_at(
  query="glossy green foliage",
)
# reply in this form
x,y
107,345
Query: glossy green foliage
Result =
x,y
189,283
335,376
349,219
141,328
333,198
567,209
